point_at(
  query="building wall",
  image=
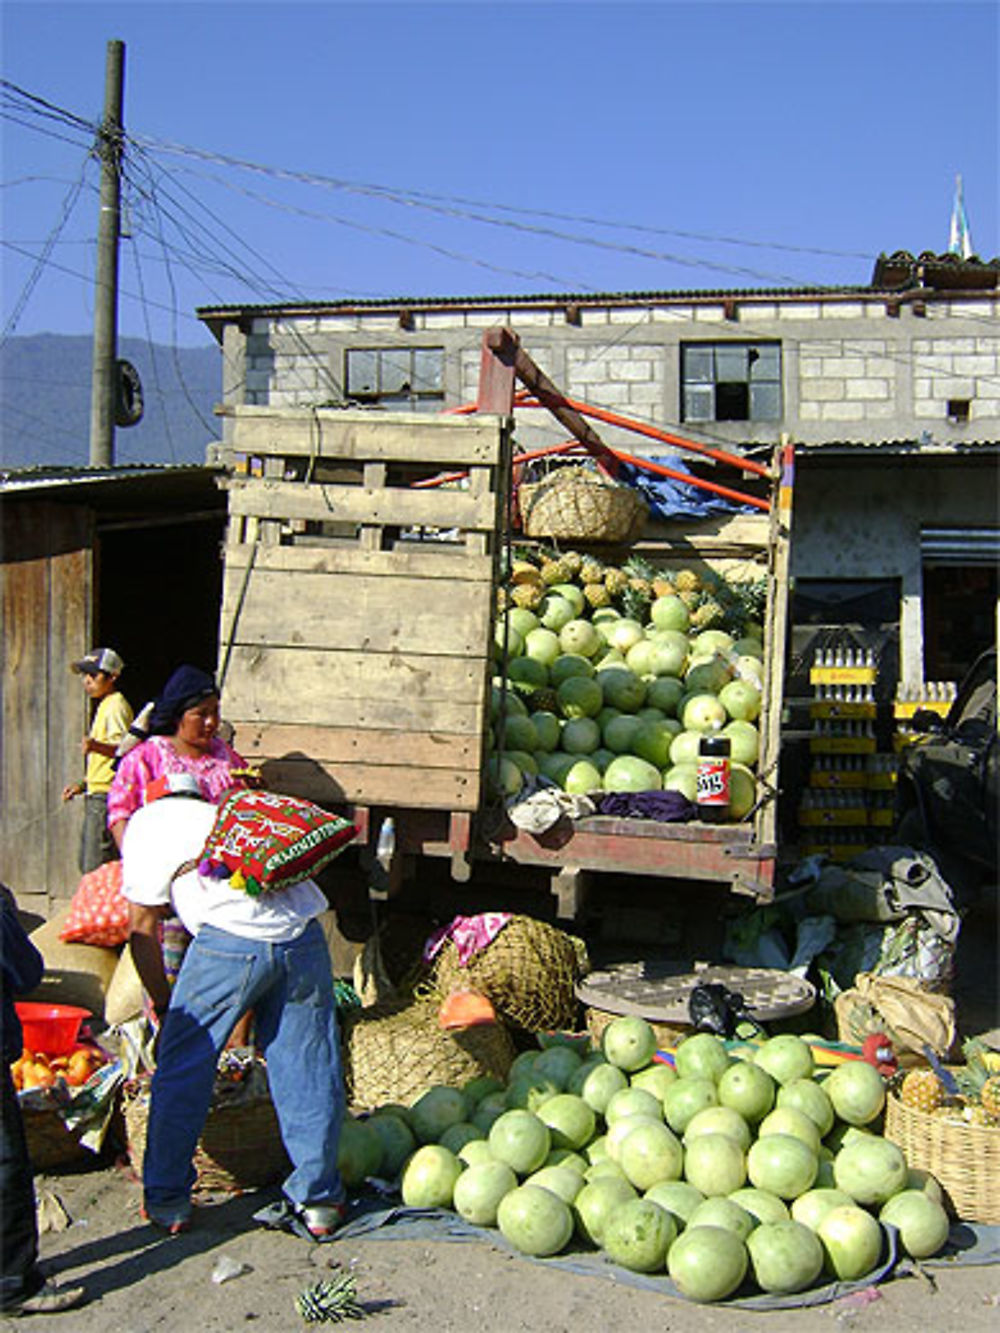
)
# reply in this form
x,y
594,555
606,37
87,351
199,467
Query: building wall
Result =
x,y
856,369
852,370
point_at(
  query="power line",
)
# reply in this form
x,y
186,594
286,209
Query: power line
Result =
x,y
68,204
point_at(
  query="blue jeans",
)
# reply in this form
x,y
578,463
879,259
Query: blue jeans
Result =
x,y
289,987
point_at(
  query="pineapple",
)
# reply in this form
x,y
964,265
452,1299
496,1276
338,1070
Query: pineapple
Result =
x,y
922,1090
990,1097
663,586
708,614
573,561
591,570
523,571
528,595
687,581
689,597
636,601
597,595
638,568
979,1085
331,1301
555,571
615,580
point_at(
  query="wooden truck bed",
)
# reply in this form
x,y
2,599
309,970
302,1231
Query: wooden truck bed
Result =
x,y
356,638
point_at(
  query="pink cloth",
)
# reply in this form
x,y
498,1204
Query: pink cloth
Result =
x,y
157,756
469,934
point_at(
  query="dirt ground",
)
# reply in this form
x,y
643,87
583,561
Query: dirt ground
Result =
x,y
139,1282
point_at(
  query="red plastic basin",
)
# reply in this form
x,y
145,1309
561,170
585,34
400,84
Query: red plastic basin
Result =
x,y
51,1029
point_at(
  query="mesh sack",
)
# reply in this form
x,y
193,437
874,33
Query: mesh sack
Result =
x,y
394,1052
528,972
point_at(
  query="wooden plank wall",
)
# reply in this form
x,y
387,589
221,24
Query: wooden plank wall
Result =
x,y
354,661
46,582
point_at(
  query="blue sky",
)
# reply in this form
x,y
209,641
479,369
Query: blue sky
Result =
x,y
734,145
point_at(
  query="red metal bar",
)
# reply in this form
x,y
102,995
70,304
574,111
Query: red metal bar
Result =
x,y
741,497
654,433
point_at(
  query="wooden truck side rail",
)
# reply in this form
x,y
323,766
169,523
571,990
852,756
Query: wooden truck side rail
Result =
x,y
356,627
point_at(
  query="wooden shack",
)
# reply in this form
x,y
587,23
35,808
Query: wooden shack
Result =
x,y
123,556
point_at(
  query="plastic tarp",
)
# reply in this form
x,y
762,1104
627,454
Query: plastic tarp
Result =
x,y
673,499
967,1244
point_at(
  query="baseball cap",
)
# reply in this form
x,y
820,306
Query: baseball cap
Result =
x,y
172,784
100,659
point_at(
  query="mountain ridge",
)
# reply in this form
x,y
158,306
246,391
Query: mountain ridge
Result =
x,y
45,401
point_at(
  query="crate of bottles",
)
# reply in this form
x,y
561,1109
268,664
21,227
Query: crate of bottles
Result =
x,y
843,666
936,696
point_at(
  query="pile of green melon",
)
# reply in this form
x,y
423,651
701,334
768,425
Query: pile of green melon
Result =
x,y
746,1169
614,693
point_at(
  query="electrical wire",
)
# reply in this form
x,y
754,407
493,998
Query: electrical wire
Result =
x,y
65,211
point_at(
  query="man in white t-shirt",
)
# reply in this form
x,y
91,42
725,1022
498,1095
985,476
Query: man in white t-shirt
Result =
x,y
267,954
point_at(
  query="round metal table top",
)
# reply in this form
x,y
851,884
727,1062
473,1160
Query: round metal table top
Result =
x,y
659,991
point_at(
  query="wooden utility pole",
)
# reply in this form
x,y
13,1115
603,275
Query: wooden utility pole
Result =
x,y
103,377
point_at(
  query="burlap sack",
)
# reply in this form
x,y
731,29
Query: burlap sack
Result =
x,y
74,973
910,1016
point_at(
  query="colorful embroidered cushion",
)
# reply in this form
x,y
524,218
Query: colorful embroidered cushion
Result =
x,y
98,912
263,841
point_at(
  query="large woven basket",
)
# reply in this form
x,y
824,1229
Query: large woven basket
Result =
x,y
964,1158
576,504
240,1146
394,1052
528,972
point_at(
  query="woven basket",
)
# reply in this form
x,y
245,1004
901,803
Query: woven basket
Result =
x,y
575,504
240,1146
528,972
395,1052
50,1143
963,1158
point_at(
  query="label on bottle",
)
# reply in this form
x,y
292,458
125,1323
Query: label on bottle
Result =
x,y
712,780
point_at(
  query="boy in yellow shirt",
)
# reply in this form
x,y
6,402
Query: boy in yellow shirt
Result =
x,y
100,670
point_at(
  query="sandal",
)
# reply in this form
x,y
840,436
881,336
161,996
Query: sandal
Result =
x,y
321,1220
173,1223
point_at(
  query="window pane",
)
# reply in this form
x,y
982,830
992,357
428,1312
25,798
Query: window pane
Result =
x,y
362,372
428,369
732,402
698,365
698,404
731,363
396,373
765,402
767,364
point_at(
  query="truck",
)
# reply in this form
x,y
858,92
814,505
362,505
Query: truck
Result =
x,y
359,623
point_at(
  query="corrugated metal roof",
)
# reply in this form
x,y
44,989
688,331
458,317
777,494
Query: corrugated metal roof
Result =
x,y
560,299
926,449
43,476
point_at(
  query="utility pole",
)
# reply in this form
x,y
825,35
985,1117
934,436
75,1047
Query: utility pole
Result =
x,y
105,353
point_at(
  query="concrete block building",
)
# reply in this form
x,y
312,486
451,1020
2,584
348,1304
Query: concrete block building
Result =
x,y
890,392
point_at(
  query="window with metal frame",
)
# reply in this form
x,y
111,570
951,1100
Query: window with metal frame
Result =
x,y
731,381
411,378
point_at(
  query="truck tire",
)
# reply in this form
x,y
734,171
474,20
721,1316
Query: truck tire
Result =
x,y
128,394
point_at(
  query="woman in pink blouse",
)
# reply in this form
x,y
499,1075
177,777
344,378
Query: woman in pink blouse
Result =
x,y
183,726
